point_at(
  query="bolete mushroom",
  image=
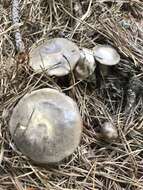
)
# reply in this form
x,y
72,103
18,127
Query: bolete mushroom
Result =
x,y
86,65
109,131
57,56
46,126
106,56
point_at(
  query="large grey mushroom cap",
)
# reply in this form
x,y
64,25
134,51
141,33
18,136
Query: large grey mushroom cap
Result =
x,y
86,65
106,55
57,56
46,126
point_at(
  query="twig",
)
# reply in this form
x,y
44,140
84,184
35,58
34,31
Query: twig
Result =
x,y
86,15
16,21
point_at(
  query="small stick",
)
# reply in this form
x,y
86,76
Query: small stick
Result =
x,y
16,21
135,89
131,99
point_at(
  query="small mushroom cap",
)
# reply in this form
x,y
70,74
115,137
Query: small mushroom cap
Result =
x,y
86,65
106,55
109,131
57,56
46,126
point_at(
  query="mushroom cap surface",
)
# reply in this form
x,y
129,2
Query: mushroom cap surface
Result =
x,y
109,131
58,56
46,126
106,55
86,65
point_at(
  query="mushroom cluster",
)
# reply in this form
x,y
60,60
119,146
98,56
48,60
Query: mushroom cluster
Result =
x,y
59,57
46,126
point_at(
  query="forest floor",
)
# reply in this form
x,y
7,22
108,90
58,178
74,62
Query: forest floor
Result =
x,y
96,164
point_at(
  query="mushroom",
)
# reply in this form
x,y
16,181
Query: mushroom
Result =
x,y
106,56
46,126
57,56
108,131
86,65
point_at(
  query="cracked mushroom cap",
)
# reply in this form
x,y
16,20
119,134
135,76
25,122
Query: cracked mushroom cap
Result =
x,y
46,126
106,55
57,56
86,65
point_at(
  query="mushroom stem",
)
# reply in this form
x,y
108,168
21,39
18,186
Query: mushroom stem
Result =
x,y
86,65
104,70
